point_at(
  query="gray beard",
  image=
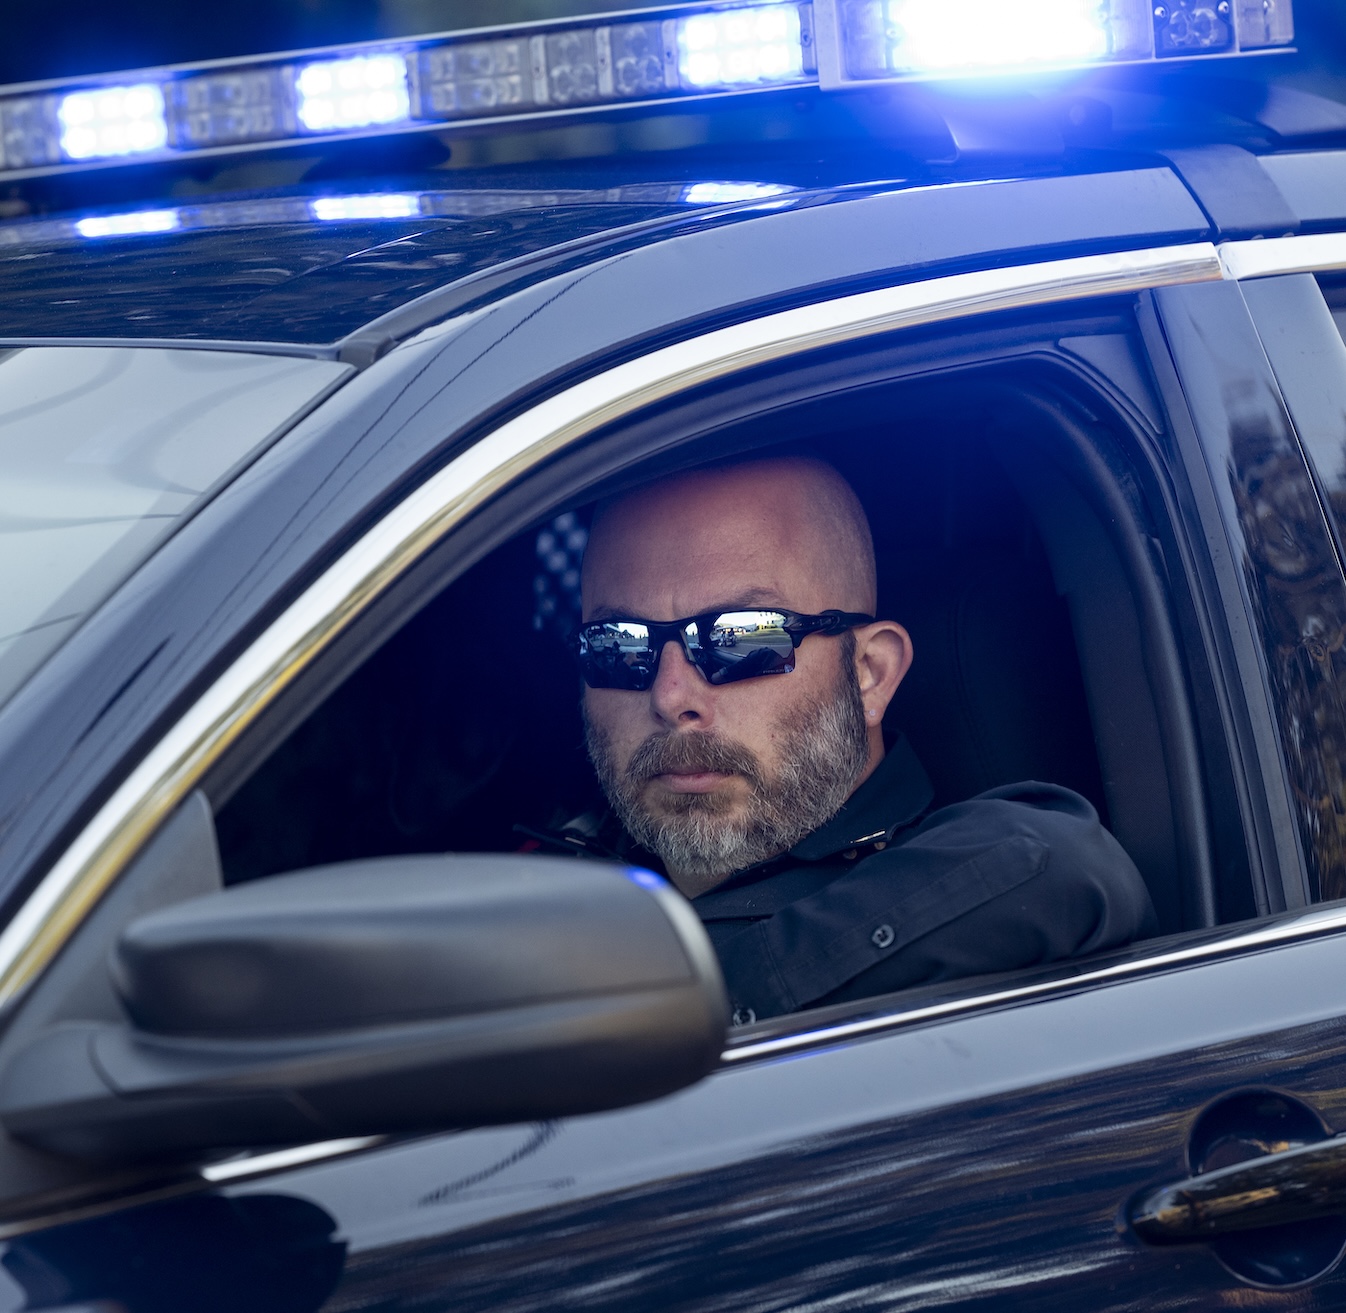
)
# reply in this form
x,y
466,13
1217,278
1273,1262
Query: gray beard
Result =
x,y
696,837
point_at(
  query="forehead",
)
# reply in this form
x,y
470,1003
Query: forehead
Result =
x,y
704,541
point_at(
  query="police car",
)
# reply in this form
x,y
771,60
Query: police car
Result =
x,y
295,478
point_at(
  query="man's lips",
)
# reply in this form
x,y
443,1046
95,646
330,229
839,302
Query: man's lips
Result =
x,y
701,781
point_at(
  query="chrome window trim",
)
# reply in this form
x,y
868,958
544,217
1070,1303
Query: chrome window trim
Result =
x,y
1269,256
282,1160
177,762
1309,925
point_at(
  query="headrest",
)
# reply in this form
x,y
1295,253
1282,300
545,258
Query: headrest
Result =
x,y
994,693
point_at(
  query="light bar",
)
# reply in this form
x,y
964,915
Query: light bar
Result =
x,y
425,83
559,67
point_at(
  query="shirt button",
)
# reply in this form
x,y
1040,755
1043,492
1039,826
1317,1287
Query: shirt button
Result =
x,y
850,854
883,937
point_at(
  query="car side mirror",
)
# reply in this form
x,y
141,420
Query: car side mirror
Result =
x,y
403,994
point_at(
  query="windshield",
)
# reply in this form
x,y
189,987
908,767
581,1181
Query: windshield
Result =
x,y
103,452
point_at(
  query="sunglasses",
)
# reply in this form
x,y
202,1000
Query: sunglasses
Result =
x,y
724,646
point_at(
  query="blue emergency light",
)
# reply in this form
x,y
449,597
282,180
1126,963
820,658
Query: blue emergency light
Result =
x,y
564,67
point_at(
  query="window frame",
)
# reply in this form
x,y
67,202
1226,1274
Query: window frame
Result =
x,y
1270,275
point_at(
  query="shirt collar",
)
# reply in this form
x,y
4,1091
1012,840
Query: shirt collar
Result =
x,y
892,797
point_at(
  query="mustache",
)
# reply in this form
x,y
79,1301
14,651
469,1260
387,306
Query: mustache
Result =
x,y
684,754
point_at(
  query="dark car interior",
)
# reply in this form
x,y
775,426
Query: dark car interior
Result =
x,y
1021,537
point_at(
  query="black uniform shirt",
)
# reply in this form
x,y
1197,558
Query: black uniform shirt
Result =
x,y
884,897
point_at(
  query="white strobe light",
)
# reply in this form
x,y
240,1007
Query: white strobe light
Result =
x,y
112,121
740,47
353,93
927,36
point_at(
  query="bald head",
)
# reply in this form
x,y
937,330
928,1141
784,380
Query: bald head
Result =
x,y
787,531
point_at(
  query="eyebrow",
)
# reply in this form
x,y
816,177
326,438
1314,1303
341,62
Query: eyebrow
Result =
x,y
752,598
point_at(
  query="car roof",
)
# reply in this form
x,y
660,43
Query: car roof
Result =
x,y
269,268
309,267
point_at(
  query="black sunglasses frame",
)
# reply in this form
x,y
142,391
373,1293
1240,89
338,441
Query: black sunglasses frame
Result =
x,y
640,678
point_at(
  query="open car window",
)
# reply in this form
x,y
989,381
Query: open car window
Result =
x,y
1018,539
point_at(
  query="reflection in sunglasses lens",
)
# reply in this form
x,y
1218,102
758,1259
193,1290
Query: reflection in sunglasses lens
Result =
x,y
746,643
618,655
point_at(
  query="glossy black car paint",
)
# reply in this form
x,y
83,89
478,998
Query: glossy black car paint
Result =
x,y
982,1161
979,1162
309,283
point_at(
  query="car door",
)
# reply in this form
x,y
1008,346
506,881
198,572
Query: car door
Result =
x,y
1003,1140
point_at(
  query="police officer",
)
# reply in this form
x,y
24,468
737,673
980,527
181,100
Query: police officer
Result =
x,y
736,686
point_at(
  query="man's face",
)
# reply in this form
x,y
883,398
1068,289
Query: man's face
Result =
x,y
716,778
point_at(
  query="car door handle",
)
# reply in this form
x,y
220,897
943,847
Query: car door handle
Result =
x,y
1291,1186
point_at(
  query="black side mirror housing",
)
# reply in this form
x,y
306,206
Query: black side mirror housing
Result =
x,y
396,995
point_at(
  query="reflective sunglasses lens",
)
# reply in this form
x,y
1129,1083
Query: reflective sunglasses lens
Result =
x,y
742,644
617,655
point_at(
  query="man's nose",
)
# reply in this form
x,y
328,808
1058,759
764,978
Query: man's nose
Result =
x,y
680,693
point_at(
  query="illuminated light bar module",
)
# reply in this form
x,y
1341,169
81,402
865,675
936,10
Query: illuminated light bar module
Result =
x,y
926,35
113,121
353,93
895,39
560,67
740,48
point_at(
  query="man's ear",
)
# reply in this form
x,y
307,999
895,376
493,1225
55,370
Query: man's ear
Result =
x,y
883,653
